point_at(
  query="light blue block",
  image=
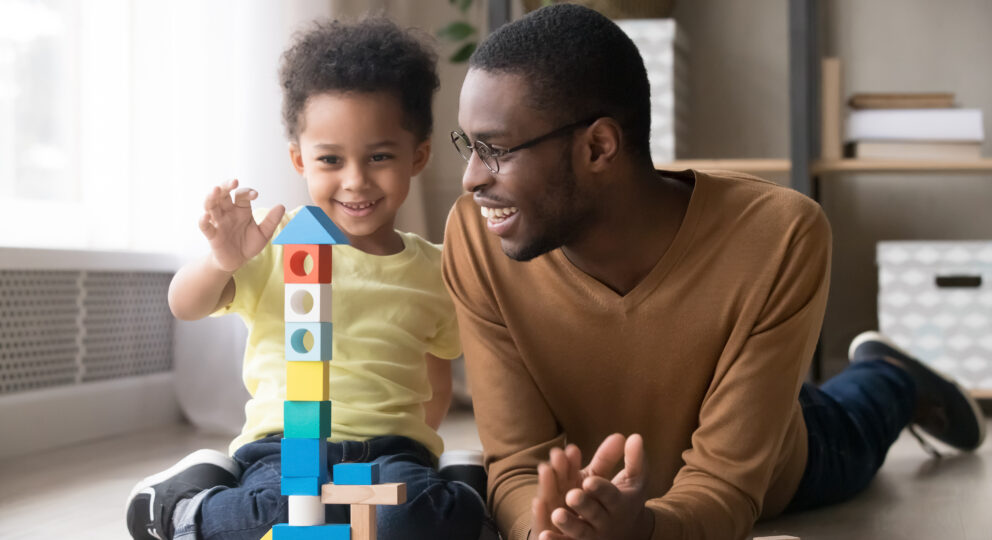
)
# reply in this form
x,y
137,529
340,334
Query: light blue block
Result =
x,y
304,458
323,338
356,474
306,419
311,226
285,531
301,486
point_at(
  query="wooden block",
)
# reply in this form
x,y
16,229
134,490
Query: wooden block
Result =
x,y
284,531
308,302
306,510
298,258
311,226
317,347
378,494
363,522
300,485
306,419
267,536
304,458
307,381
356,474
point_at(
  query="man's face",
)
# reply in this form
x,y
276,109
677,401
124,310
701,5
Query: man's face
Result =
x,y
534,203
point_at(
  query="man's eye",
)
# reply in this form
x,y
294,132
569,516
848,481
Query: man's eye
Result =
x,y
330,160
381,157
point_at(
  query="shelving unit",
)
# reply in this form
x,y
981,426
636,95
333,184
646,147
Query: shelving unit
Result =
x,y
750,166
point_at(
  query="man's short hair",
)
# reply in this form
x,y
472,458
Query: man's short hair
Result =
x,y
372,55
577,63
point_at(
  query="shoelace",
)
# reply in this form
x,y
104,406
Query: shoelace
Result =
x,y
927,447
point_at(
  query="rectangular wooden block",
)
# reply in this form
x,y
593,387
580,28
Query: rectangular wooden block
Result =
x,y
300,486
304,458
356,474
378,494
306,263
318,336
363,522
306,510
285,531
306,419
308,302
307,381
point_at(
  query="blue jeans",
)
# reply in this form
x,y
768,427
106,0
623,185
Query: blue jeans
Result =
x,y
852,420
435,508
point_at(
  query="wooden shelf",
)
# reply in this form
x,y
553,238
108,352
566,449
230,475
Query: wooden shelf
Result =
x,y
750,166
889,165
981,393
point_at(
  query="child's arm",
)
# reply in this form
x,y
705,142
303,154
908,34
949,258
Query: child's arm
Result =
x,y
202,287
439,374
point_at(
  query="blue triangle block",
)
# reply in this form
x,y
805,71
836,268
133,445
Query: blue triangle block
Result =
x,y
311,226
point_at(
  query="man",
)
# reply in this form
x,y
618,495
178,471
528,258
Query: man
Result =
x,y
662,321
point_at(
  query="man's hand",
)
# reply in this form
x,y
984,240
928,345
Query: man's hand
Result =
x,y
229,226
600,508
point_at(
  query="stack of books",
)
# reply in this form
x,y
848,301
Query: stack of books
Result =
x,y
912,126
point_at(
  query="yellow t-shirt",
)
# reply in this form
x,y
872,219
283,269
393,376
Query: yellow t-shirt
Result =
x,y
388,311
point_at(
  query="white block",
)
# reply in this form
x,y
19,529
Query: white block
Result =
x,y
308,302
305,510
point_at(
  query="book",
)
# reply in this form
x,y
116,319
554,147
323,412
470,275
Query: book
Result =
x,y
963,125
914,150
906,100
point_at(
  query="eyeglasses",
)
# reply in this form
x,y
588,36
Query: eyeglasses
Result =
x,y
490,156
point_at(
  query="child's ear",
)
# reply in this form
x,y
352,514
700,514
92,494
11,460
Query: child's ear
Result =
x,y
296,156
420,156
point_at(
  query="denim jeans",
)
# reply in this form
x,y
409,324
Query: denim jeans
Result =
x,y
435,508
851,420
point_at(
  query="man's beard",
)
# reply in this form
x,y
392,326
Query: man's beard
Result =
x,y
562,219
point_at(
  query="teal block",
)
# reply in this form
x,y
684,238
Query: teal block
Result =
x,y
311,226
284,531
356,474
304,458
323,340
301,486
306,419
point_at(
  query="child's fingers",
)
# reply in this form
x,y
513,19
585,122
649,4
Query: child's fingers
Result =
x,y
271,221
566,479
206,227
244,196
586,506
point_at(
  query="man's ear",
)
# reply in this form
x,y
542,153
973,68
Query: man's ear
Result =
x,y
603,140
296,156
420,156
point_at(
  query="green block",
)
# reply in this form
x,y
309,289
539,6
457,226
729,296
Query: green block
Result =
x,y
306,419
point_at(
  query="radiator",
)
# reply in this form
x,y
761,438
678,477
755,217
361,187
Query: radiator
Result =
x,y
86,346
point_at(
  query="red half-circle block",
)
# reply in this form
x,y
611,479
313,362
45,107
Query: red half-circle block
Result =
x,y
294,256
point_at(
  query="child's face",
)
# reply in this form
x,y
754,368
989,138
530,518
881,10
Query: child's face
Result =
x,y
357,160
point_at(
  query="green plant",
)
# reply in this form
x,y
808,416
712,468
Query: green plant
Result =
x,y
460,32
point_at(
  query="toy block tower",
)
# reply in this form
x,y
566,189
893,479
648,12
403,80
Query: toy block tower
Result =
x,y
307,263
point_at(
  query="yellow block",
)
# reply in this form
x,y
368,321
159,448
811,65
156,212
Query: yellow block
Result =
x,y
268,536
307,381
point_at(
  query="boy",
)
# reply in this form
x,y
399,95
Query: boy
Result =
x,y
357,109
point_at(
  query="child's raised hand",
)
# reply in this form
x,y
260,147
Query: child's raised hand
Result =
x,y
229,226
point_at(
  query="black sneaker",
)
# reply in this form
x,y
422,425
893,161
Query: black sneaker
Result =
x,y
465,466
152,501
945,410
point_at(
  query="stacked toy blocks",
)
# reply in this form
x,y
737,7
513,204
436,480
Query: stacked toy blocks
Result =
x,y
307,264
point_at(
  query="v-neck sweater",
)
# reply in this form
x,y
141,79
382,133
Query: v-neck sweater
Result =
x,y
704,357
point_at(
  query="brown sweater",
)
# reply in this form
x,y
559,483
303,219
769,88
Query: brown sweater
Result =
x,y
704,357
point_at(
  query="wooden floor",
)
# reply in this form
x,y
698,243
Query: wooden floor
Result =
x,y
79,492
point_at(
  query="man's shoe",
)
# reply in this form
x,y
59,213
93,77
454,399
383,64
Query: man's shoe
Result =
x,y
945,410
465,466
152,501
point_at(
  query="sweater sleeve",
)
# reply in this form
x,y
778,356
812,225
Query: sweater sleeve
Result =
x,y
750,403
515,424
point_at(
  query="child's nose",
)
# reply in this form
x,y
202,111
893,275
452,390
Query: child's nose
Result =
x,y
355,177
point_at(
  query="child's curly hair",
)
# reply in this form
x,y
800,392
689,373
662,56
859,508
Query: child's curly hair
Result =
x,y
371,55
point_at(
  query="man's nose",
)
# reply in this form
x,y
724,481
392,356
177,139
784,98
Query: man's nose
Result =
x,y
477,175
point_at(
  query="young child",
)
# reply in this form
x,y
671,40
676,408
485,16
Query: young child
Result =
x,y
357,109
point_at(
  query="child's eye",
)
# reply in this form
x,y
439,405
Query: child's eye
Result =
x,y
381,157
330,160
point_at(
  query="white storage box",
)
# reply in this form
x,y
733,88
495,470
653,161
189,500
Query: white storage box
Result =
x,y
935,301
